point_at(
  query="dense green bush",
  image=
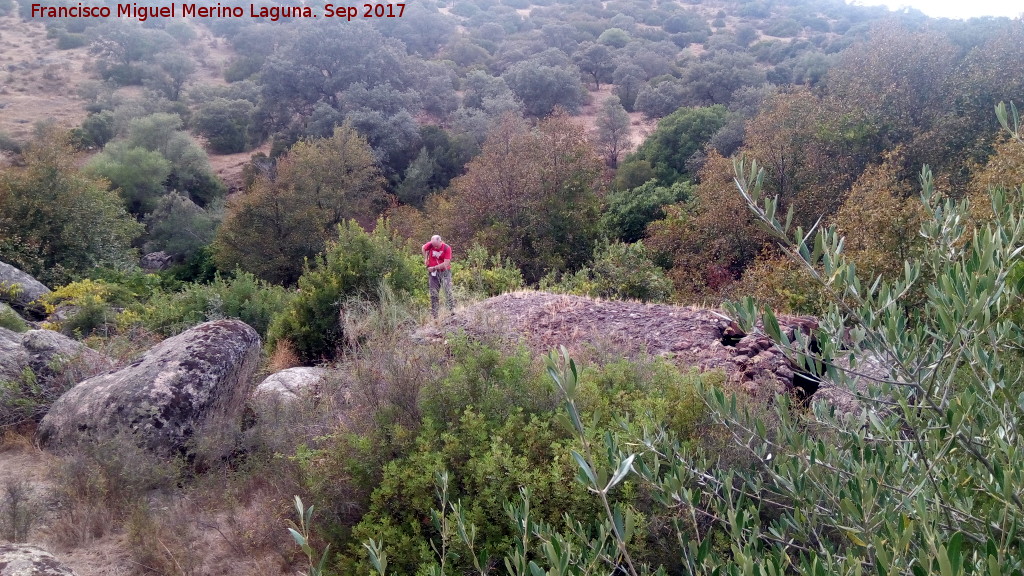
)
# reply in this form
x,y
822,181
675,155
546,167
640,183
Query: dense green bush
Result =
x,y
225,124
618,270
353,266
57,223
484,274
241,296
493,424
628,212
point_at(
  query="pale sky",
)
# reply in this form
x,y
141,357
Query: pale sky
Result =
x,y
953,8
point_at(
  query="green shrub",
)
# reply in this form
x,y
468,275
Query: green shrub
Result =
x,y
242,296
87,306
68,41
497,432
353,266
488,460
225,124
493,383
484,274
621,271
629,212
11,320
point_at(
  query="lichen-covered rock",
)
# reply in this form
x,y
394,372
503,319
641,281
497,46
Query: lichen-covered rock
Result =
x,y
156,261
38,366
52,354
28,288
289,386
25,560
13,357
197,379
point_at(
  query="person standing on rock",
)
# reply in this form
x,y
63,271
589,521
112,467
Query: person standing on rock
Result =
x,y
437,257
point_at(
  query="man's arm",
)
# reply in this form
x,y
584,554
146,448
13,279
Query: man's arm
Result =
x,y
426,257
446,259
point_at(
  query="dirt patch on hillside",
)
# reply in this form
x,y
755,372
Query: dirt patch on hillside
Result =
x,y
38,82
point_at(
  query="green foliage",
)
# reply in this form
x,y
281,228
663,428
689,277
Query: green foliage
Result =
x,y
190,167
488,460
618,270
98,128
168,73
629,211
283,220
241,296
614,37
11,320
485,274
542,87
136,173
88,305
447,505
178,227
123,46
353,266
301,533
677,137
531,195
613,130
55,222
225,124
494,384
919,474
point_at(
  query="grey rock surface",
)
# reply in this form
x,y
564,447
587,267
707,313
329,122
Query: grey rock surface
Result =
x,y
26,560
30,288
183,385
56,361
156,261
13,356
289,385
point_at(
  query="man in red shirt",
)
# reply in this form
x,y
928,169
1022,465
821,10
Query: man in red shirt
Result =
x,y
437,257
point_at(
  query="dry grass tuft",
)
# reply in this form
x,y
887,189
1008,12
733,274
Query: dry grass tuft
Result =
x,y
283,357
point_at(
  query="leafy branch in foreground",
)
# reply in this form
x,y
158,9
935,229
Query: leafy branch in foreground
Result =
x,y
301,533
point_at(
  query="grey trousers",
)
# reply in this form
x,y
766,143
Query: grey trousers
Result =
x,y
443,279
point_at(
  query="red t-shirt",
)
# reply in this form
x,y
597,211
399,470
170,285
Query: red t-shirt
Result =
x,y
437,255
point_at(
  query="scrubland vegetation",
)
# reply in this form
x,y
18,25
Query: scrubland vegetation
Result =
x,y
803,157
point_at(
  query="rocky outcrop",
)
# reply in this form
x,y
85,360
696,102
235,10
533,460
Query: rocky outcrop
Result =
x,y
27,287
686,335
56,363
181,387
289,386
156,261
26,560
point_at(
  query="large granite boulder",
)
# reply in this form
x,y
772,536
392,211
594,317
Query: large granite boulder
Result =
x,y
28,288
26,560
289,386
56,363
195,380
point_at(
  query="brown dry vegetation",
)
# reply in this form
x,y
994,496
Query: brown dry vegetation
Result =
x,y
38,82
